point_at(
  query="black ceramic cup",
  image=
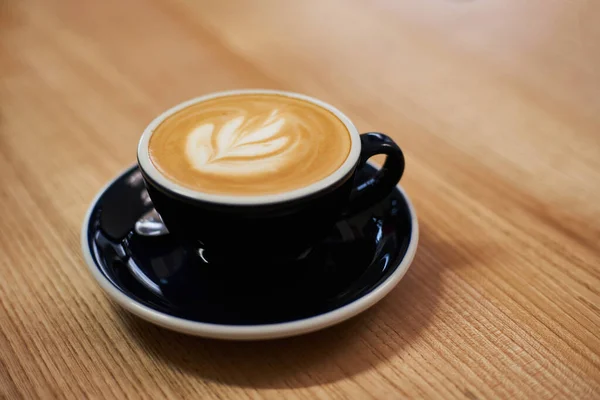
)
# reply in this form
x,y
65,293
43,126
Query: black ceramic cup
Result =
x,y
253,230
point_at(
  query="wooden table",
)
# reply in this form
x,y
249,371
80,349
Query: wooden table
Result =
x,y
496,104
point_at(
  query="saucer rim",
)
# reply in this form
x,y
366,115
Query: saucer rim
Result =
x,y
248,332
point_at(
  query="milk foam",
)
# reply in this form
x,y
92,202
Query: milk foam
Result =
x,y
251,144
239,145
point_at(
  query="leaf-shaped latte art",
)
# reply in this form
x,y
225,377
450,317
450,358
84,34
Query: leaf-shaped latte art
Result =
x,y
238,146
249,144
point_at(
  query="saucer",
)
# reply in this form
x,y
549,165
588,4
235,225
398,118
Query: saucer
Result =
x,y
181,287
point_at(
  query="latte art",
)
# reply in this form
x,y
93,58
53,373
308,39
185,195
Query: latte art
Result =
x,y
249,144
242,145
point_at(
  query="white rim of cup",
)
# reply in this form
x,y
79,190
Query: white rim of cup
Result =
x,y
155,175
249,332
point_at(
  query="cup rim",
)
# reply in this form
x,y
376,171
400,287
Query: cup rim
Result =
x,y
146,165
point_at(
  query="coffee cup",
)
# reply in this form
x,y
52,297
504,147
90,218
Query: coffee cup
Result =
x,y
260,176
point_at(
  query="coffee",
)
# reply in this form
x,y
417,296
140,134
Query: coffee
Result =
x,y
249,144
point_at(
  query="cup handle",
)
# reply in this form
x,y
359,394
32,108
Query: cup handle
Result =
x,y
379,186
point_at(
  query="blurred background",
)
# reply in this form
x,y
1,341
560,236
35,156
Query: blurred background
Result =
x,y
458,83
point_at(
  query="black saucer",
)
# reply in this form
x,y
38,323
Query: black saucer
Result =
x,y
166,278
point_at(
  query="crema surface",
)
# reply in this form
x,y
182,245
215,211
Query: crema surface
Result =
x,y
249,144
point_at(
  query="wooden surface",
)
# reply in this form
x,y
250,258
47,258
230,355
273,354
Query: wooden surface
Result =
x,y
496,104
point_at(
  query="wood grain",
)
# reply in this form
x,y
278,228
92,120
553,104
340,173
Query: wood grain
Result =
x,y
496,104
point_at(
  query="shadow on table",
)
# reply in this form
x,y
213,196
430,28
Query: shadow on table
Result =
x,y
322,357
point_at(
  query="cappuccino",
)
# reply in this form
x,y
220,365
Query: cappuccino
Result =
x,y
249,144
